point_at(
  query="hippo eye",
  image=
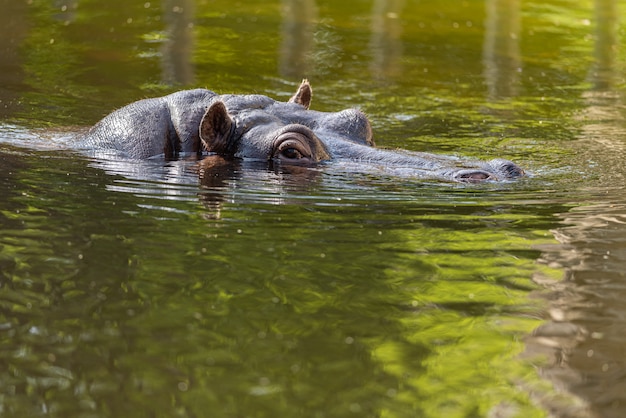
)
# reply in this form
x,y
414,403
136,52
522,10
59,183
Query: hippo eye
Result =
x,y
296,145
291,153
293,150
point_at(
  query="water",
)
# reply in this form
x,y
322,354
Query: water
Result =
x,y
167,289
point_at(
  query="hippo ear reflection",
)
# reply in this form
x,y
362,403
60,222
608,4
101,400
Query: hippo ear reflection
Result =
x,y
303,95
215,130
216,173
225,180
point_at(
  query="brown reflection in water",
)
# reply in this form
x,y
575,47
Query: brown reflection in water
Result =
x,y
386,39
13,29
299,20
603,73
585,339
603,116
176,61
215,173
219,177
298,48
501,51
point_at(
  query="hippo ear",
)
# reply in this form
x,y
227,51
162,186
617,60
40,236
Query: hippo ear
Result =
x,y
215,129
303,95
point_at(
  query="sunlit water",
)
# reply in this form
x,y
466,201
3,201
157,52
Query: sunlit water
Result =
x,y
212,288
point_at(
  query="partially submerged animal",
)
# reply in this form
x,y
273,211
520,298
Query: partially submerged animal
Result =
x,y
260,128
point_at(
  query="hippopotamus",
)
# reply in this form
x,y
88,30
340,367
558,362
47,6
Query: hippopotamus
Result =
x,y
197,122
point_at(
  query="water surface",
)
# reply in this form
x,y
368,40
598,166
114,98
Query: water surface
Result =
x,y
152,288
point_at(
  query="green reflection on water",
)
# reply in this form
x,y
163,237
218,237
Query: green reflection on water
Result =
x,y
162,47
398,300
378,307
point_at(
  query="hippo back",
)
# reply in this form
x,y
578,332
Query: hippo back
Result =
x,y
164,125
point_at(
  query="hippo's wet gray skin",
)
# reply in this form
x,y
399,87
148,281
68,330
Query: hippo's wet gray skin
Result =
x,y
260,128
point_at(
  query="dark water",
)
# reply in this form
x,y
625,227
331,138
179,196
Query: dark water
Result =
x,y
229,290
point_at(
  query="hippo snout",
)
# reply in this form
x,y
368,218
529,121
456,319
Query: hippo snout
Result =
x,y
506,169
496,169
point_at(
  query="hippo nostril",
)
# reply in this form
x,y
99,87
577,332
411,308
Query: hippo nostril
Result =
x,y
473,176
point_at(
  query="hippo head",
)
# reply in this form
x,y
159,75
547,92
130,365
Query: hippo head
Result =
x,y
258,127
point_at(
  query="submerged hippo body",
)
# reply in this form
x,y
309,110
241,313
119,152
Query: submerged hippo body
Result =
x,y
258,127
